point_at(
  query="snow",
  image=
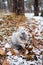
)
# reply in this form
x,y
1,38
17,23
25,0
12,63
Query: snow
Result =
x,y
15,38
7,45
19,61
29,15
39,21
1,19
9,53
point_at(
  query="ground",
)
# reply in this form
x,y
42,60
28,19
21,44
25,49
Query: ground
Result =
x,y
10,24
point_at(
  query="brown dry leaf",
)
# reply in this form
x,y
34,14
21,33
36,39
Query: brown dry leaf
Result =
x,y
22,52
2,52
13,53
36,44
5,62
28,57
33,35
29,49
8,32
1,38
33,26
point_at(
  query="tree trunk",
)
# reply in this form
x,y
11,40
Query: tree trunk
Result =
x,y
42,13
10,5
42,8
36,8
18,6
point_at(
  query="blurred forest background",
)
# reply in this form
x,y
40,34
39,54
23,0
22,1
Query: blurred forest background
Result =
x,y
21,6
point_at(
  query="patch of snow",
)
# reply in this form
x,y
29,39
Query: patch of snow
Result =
x,y
9,53
29,15
16,51
7,45
1,19
19,61
36,51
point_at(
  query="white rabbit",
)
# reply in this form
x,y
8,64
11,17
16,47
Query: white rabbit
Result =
x,y
20,37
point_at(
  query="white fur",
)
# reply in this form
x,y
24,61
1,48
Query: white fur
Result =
x,y
16,36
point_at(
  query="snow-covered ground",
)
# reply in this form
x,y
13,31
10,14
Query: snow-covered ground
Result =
x,y
38,19
30,15
18,60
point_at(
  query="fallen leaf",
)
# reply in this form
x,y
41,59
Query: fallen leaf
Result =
x,y
1,38
5,62
2,52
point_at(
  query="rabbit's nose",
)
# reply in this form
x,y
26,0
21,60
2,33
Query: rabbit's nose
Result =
x,y
23,33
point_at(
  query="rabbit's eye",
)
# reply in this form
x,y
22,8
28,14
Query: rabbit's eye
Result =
x,y
22,38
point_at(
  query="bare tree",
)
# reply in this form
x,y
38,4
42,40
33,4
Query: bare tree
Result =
x,y
18,6
36,8
42,8
10,5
